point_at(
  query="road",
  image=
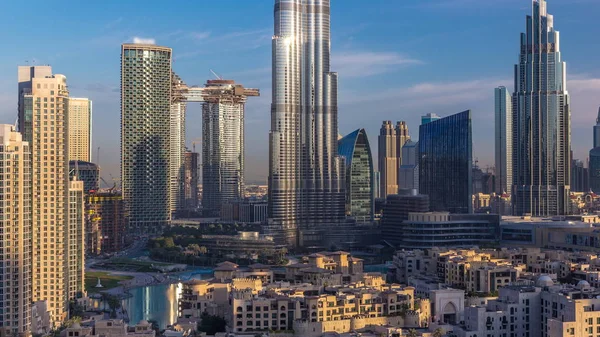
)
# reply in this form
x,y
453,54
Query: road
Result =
x,y
137,249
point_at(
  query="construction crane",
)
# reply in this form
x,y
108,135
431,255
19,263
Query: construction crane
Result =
x,y
194,142
216,75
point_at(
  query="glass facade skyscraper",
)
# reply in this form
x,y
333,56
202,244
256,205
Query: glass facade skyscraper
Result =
x,y
445,163
359,175
594,164
428,118
145,135
503,140
177,143
222,147
87,172
305,173
541,121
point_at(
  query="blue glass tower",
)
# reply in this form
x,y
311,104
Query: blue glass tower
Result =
x,y
445,162
541,121
359,175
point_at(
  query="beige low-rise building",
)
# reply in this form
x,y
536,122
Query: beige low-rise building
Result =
x,y
332,268
229,270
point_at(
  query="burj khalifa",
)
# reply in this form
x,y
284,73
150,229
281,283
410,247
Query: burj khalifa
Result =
x,y
305,173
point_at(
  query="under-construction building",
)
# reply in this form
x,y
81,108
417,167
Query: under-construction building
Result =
x,y
222,142
106,220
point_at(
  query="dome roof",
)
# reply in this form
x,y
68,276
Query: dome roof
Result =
x,y
544,281
583,284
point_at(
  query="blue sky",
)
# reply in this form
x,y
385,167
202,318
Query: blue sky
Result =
x,y
396,59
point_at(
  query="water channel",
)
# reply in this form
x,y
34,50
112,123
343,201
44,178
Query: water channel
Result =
x,y
157,302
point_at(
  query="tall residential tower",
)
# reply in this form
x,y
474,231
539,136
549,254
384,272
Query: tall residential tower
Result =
x,y
503,140
541,120
43,120
16,225
145,135
388,159
306,183
80,129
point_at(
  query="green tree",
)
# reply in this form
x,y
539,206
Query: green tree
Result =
x,y
169,243
75,310
155,326
438,332
211,324
412,333
113,302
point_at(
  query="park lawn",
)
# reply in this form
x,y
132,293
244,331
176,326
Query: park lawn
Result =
x,y
107,280
126,264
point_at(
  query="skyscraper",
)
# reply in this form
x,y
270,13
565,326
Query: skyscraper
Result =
x,y
388,159
80,129
597,131
87,172
356,150
579,177
409,170
391,140
428,118
43,104
145,135
503,140
305,173
445,163
75,241
402,136
177,143
541,120
223,144
190,193
16,224
594,164
376,184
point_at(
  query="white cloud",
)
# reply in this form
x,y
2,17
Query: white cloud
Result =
x,y
357,64
141,40
200,35
583,84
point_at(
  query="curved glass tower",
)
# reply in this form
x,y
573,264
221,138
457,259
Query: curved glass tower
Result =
x,y
305,183
541,121
145,136
359,175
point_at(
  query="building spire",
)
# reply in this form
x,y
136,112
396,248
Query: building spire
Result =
x,y
598,118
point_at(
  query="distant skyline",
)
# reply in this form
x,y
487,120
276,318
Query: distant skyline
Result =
x,y
396,60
